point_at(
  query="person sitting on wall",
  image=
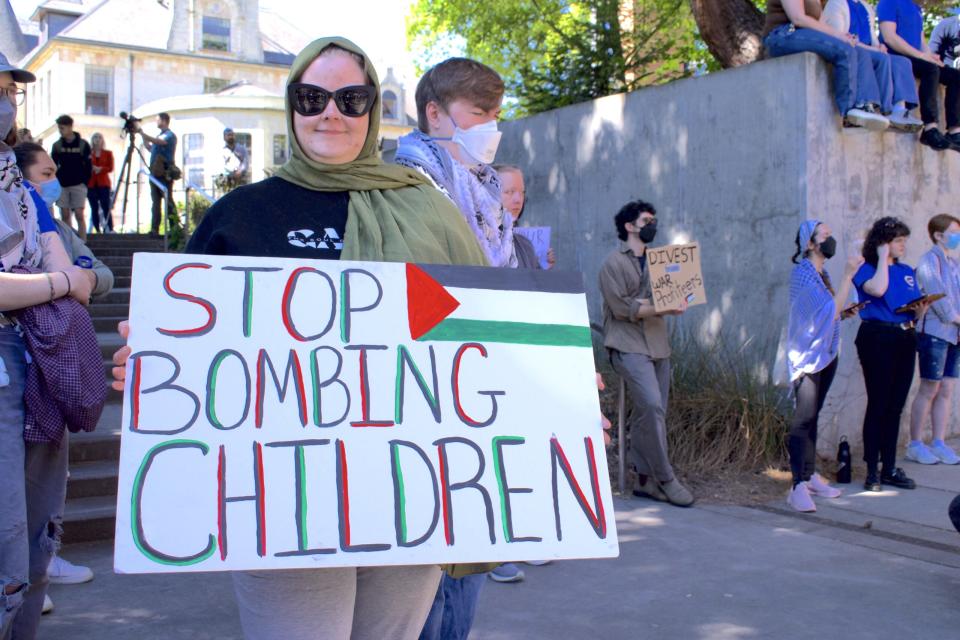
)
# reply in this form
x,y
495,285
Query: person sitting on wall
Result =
x,y
898,90
945,40
794,26
638,342
901,29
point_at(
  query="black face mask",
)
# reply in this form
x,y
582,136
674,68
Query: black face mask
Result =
x,y
828,247
648,232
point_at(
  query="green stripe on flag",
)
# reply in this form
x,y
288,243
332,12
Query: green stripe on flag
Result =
x,y
555,335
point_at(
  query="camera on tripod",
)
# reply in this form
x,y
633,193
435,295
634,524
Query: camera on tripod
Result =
x,y
130,123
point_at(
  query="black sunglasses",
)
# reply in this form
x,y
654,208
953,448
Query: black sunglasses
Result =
x,y
311,100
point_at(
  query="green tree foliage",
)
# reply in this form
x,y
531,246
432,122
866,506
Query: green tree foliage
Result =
x,y
552,53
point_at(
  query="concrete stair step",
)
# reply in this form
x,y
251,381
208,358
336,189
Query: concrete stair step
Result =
x,y
117,295
89,519
93,478
101,444
109,342
108,310
107,324
116,262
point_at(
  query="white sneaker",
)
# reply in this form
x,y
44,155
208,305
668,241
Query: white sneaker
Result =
x,y
901,120
863,118
63,571
944,453
538,563
819,487
800,499
919,453
47,605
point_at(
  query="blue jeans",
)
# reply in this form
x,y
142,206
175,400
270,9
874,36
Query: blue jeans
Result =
x,y
454,607
904,84
938,358
854,80
34,481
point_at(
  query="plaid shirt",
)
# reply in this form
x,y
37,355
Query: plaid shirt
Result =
x,y
65,386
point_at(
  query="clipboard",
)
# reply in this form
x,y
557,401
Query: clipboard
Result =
x,y
929,298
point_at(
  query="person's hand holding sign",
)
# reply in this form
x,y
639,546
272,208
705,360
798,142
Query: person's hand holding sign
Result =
x,y
120,357
678,311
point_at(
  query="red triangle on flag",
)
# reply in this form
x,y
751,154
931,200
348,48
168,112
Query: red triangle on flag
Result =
x,y
428,303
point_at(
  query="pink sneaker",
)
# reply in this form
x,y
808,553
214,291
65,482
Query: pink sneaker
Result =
x,y
819,487
800,499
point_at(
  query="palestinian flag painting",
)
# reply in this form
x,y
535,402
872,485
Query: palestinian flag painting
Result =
x,y
464,304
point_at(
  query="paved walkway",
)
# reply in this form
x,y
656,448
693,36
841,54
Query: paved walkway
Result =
x,y
865,566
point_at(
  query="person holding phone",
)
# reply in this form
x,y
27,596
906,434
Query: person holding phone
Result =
x,y
813,344
886,345
937,272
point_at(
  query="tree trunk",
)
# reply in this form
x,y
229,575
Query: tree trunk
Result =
x,y
731,29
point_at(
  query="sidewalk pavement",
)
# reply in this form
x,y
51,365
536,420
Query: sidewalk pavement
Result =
x,y
864,566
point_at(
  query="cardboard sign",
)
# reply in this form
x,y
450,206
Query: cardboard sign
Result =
x,y
288,413
539,237
675,276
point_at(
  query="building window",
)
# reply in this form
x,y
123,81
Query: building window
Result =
x,y
99,86
214,85
195,178
216,34
193,148
49,92
390,107
279,149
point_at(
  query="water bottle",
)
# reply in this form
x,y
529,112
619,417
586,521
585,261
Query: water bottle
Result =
x,y
843,461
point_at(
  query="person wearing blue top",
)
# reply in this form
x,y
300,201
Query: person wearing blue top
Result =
x,y
813,344
163,150
886,345
898,90
937,343
901,29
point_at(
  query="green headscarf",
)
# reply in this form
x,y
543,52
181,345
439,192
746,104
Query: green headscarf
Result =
x,y
395,215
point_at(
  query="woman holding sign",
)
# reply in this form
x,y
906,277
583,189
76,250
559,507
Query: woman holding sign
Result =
x,y
886,346
813,344
335,199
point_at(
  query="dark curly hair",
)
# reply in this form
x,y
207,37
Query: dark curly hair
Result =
x,y
629,213
883,231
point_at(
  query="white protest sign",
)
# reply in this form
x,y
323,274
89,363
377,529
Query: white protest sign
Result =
x,y
675,276
287,413
539,237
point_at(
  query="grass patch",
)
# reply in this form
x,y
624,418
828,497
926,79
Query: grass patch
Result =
x,y
726,424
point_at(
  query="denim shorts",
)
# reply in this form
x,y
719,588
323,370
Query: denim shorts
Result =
x,y
938,358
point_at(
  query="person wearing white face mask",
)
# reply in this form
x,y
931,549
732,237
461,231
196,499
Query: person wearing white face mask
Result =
x,y
937,343
458,102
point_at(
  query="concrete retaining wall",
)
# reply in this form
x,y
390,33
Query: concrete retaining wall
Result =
x,y
736,160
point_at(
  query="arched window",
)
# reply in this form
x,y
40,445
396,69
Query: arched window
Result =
x,y
391,110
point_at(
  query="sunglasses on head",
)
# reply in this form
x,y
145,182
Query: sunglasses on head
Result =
x,y
311,100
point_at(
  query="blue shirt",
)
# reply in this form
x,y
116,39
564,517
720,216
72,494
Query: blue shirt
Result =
x,y
44,219
902,289
908,17
165,150
860,22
